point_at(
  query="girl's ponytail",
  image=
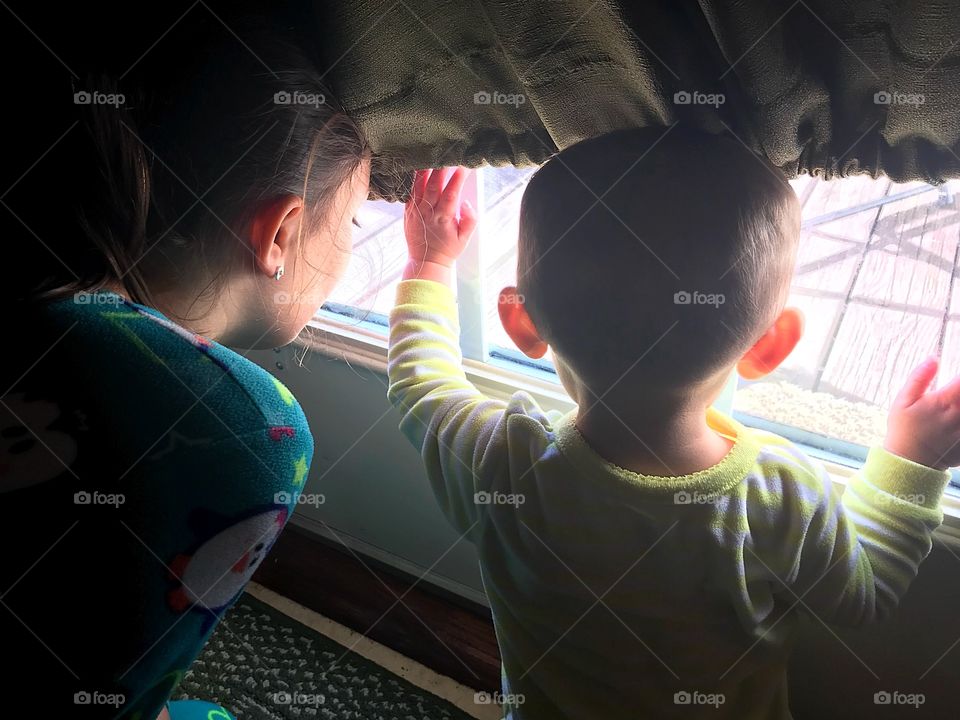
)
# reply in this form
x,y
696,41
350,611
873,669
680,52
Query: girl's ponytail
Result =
x,y
113,215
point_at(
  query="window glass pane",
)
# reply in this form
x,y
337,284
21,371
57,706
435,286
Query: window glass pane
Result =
x,y
499,227
875,279
379,254
369,285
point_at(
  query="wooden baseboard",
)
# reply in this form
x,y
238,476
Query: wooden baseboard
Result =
x,y
450,636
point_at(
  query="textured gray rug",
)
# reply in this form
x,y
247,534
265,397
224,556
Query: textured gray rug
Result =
x,y
262,665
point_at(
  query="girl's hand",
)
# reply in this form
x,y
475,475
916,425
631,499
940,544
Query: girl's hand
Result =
x,y
436,224
925,426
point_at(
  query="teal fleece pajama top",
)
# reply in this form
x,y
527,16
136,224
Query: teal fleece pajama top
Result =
x,y
145,472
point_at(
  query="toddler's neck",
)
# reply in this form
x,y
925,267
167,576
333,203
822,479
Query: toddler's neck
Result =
x,y
668,444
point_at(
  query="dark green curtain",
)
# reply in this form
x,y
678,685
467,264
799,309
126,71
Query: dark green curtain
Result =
x,y
795,80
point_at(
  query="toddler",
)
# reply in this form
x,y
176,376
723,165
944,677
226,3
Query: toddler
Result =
x,y
647,556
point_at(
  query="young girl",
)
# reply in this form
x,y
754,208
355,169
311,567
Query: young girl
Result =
x,y
145,468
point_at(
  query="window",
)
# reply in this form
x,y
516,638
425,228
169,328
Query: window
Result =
x,y
876,278
379,254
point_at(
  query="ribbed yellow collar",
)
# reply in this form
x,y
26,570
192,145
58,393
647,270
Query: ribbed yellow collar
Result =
x,y
717,479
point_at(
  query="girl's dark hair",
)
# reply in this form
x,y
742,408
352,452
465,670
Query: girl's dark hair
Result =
x,y
168,160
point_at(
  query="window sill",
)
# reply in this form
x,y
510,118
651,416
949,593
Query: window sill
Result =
x,y
360,345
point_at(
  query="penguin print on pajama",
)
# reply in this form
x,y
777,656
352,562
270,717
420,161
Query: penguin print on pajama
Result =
x,y
210,578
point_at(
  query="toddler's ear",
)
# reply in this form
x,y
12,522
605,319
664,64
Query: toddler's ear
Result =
x,y
773,346
518,324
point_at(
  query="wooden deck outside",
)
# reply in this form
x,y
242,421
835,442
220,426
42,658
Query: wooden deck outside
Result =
x,y
878,287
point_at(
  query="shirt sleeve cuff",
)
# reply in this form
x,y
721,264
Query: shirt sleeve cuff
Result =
x,y
424,292
905,479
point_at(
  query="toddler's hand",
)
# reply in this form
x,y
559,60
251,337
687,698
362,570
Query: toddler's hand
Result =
x,y
436,224
925,426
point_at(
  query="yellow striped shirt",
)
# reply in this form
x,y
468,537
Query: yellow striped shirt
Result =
x,y
619,595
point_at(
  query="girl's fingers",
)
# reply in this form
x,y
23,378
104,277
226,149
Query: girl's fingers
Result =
x,y
450,200
434,187
918,382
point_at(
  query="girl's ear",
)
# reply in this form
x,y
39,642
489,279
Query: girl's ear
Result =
x,y
273,229
773,347
518,324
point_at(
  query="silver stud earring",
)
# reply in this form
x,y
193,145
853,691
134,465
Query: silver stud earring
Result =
x,y
279,273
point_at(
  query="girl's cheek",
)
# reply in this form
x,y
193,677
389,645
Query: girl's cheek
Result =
x,y
331,264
